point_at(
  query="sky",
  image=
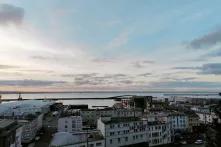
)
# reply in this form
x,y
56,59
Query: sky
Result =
x,y
102,45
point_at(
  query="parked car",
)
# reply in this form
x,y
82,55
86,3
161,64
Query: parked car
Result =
x,y
199,141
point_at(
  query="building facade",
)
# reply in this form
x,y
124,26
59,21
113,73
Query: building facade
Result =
x,y
10,133
66,139
123,131
30,127
159,133
193,121
92,115
70,124
179,121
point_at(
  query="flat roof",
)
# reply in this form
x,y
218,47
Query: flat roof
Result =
x,y
153,123
65,138
121,120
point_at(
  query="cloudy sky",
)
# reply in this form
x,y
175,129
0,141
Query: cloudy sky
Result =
x,y
72,45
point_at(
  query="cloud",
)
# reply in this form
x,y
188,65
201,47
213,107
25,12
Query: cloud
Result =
x,y
183,79
187,68
7,66
211,68
10,14
145,74
80,75
99,79
40,57
119,40
215,53
207,40
103,60
142,63
185,84
29,83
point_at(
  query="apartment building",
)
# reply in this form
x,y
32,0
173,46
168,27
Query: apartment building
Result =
x,y
193,121
84,139
70,124
179,121
10,133
91,116
123,131
30,127
159,133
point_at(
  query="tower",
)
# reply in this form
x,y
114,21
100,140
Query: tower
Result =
x,y
19,97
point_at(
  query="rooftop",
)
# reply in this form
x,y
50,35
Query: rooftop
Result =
x,y
120,120
176,113
111,108
12,106
4,123
8,126
65,138
150,123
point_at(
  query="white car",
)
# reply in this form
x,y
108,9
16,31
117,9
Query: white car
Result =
x,y
37,138
199,141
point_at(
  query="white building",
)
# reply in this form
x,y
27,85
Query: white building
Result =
x,y
65,139
70,124
206,118
205,114
92,115
179,121
30,128
123,131
160,131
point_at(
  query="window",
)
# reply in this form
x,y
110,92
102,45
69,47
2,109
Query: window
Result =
x,y
111,141
118,140
66,126
91,145
98,144
111,133
156,134
111,126
126,138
